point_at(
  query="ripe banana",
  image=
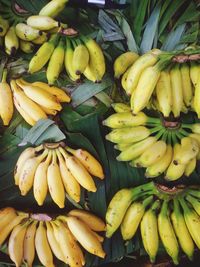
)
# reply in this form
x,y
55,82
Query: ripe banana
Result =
x,y
186,84
196,98
41,39
11,41
41,22
4,26
26,47
26,32
80,58
53,8
190,167
90,74
120,107
194,203
24,114
6,216
194,73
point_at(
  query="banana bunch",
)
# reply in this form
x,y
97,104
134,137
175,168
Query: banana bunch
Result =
x,y
35,101
172,148
57,169
61,236
78,56
170,90
172,217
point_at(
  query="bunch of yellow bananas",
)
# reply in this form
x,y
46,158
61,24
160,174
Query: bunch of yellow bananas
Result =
x,y
35,101
159,146
58,169
60,236
173,90
176,222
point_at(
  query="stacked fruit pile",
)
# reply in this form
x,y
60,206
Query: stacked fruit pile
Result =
x,y
148,82
172,148
173,217
59,236
56,168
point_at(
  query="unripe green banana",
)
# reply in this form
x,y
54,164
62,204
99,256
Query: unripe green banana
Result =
x,y
41,22
26,32
53,8
11,41
4,25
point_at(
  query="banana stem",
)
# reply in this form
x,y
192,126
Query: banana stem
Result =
x,y
165,136
4,76
183,204
179,135
156,129
147,201
176,206
187,126
142,189
151,120
156,205
194,193
169,138
183,132
164,208
160,133
174,139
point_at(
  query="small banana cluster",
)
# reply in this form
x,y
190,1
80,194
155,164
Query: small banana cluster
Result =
x,y
79,56
61,236
37,100
171,91
56,168
172,218
159,146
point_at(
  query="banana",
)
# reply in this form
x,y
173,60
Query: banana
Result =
x,y
8,228
125,119
79,172
161,165
4,26
97,60
149,231
41,39
90,74
167,234
40,186
196,99
43,55
41,22
120,107
181,230
164,93
145,88
60,94
190,167
31,108
117,209
85,236
133,218
29,152
55,246
42,246
11,41
49,111
26,47
123,62
26,32
80,58
122,146
143,62
88,161
124,81
192,220
29,244
194,202
194,73
186,84
152,154
6,216
175,171
6,101
69,53
128,134
55,184
56,63
40,96
15,243
24,114
72,187
92,221
26,177
177,92
135,150
53,8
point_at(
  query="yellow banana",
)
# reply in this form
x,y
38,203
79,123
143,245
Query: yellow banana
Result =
x,y
143,62
120,107
90,74
4,26
6,101
186,84
6,216
85,236
26,47
149,231
88,161
123,62
196,99
194,72
15,243
53,8
80,58
49,111
167,234
55,184
26,32
197,138
79,172
42,22
24,114
94,222
122,146
56,63
164,93
194,203
43,55
29,152
124,80
42,246
133,218
41,39
145,88
29,244
72,187
26,177
181,230
11,41
40,186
